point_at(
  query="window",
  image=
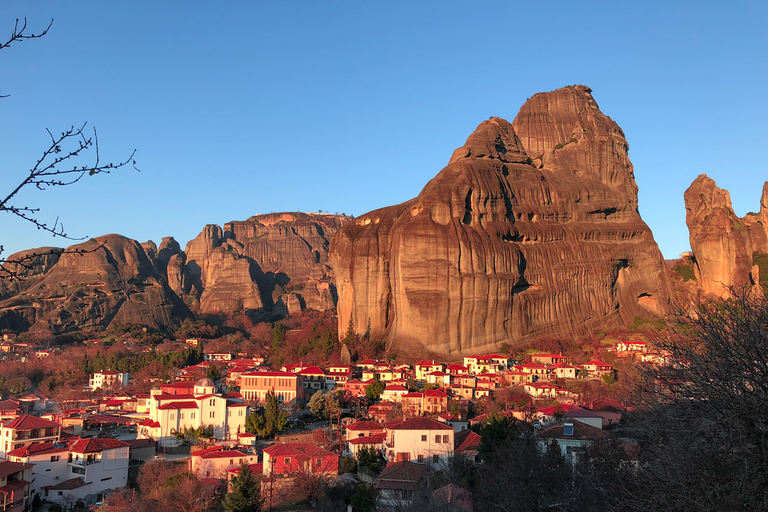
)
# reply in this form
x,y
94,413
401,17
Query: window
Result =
x,y
55,458
212,414
568,429
424,439
287,461
421,459
445,439
231,462
437,439
105,479
193,415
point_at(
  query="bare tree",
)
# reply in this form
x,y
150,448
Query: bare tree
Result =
x,y
70,155
704,433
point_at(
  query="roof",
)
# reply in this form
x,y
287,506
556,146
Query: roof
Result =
x,y
596,363
105,418
178,405
312,370
419,424
27,422
451,495
9,468
256,469
39,449
365,425
9,405
403,475
427,362
222,454
306,449
465,441
366,440
96,444
269,374
13,486
68,485
581,432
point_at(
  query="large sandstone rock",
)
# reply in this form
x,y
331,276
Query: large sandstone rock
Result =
x,y
93,285
532,229
723,244
266,266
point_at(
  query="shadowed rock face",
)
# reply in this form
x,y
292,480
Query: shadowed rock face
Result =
x,y
532,229
722,243
268,265
112,281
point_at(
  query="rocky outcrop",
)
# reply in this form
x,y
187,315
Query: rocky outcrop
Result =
x,y
93,285
723,245
268,265
531,229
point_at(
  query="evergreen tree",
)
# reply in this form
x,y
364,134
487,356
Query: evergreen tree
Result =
x,y
246,492
317,404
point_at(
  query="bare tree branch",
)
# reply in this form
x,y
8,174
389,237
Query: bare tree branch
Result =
x,y
58,166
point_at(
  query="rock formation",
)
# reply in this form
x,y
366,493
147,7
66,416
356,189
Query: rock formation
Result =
x,y
531,229
723,245
110,281
266,267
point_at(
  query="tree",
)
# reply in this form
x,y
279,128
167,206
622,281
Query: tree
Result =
x,y
374,389
317,404
61,164
269,421
704,433
245,495
184,492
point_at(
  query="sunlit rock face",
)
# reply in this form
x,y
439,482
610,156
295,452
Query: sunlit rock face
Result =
x,y
531,229
723,244
94,285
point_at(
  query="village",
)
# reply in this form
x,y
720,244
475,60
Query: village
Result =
x,y
415,419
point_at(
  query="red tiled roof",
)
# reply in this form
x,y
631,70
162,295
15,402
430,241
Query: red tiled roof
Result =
x,y
256,469
305,449
365,425
419,424
366,440
465,441
39,449
312,370
222,454
269,374
68,485
96,444
27,422
426,362
178,405
581,432
163,396
14,485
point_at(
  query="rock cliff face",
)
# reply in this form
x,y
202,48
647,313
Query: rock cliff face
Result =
x,y
113,280
531,229
266,267
723,244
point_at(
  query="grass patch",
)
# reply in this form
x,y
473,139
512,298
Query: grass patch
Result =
x,y
684,268
761,260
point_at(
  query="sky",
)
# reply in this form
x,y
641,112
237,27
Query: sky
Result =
x,y
241,108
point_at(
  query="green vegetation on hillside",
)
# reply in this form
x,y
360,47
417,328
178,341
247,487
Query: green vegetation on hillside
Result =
x,y
761,260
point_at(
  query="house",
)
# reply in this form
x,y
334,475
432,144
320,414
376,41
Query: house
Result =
x,y
538,370
451,498
46,462
419,439
290,459
516,377
26,430
355,387
425,367
9,409
364,434
108,379
454,422
340,373
441,379
287,386
596,369
456,369
631,346
315,380
178,388
466,444
548,359
565,371
541,390
394,392
217,356
567,412
215,462
573,437
169,414
15,478
397,484
102,464
490,363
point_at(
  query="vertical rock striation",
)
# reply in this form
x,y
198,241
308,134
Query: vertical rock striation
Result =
x,y
531,229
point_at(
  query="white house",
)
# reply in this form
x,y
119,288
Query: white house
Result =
x,y
107,379
169,414
50,463
419,440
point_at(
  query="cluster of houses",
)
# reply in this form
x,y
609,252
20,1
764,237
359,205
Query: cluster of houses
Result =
x,y
49,455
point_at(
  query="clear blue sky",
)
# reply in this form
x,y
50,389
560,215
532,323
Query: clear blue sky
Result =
x,y
252,107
